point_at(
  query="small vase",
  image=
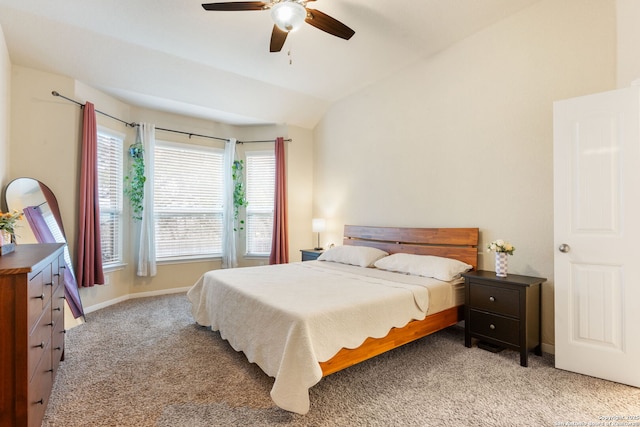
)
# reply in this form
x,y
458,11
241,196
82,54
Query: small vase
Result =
x,y
501,264
7,244
5,237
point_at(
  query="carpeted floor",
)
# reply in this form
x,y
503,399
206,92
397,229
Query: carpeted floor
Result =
x,y
144,362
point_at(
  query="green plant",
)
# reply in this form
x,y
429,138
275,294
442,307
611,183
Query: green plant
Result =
x,y
134,181
8,221
239,194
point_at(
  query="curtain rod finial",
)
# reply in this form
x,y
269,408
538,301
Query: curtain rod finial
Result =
x,y
54,93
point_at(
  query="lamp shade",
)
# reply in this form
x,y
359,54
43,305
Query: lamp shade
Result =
x,y
318,225
288,15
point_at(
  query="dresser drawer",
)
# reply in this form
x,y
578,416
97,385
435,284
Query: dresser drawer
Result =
x,y
494,299
496,327
39,293
57,318
57,349
39,340
57,273
39,390
57,304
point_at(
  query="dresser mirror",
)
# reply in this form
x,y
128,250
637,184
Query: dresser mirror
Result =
x,y
42,223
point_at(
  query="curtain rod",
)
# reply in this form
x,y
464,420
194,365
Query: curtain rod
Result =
x,y
54,93
133,124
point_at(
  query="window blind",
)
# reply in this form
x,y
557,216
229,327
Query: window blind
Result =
x,y
261,175
110,177
188,201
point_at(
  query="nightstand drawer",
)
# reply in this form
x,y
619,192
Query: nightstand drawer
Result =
x,y
311,254
494,299
495,327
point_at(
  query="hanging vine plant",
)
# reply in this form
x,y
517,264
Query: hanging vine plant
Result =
x,y
134,181
239,194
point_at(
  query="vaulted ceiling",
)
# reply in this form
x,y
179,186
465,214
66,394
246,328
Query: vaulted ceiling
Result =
x,y
172,55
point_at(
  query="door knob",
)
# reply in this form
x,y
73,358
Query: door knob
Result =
x,y
564,248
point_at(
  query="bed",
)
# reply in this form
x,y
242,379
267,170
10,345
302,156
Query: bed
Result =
x,y
301,321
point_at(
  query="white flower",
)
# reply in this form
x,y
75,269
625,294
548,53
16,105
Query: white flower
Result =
x,y
501,246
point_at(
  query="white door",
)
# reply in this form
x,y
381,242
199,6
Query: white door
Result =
x,y
597,235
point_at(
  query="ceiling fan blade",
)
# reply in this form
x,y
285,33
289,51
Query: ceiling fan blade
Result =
x,y
278,38
324,22
235,6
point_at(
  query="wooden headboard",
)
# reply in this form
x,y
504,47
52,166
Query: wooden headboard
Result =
x,y
456,243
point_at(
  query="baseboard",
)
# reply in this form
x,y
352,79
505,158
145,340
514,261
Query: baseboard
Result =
x,y
95,307
548,348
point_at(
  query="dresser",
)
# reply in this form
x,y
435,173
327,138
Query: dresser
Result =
x,y
503,311
32,333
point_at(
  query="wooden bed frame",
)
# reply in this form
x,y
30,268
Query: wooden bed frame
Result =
x,y
456,243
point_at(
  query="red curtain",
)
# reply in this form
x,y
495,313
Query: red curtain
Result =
x,y
89,252
279,242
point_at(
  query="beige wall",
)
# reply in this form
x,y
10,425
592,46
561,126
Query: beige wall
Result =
x,y
460,139
45,145
5,82
464,139
628,15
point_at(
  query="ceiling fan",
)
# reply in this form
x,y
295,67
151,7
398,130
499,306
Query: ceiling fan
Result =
x,y
288,15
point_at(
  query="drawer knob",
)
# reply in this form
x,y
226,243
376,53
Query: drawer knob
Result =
x,y
41,345
39,402
492,326
492,299
49,284
58,348
40,297
57,309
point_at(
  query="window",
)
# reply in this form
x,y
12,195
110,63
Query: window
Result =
x,y
261,177
110,177
188,182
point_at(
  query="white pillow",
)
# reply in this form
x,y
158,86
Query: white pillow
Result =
x,y
440,268
362,256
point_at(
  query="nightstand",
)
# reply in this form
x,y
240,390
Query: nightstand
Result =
x,y
311,254
503,311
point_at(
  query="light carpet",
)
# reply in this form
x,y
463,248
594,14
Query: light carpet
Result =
x,y
144,362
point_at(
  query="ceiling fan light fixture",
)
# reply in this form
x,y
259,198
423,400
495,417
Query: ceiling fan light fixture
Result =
x,y
288,15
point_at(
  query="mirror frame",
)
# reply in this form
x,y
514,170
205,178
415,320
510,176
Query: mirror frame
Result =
x,y
34,219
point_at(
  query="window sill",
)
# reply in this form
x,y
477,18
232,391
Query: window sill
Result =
x,y
188,260
114,267
255,256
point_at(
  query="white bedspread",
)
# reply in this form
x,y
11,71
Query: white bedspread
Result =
x,y
287,318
